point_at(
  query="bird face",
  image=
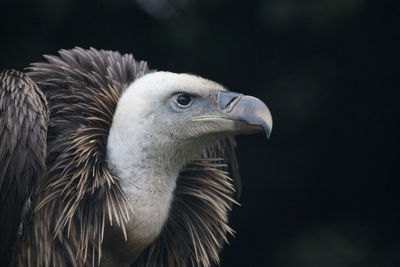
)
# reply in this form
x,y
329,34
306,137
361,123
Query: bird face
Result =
x,y
186,109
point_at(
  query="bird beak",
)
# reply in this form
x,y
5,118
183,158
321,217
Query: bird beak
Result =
x,y
248,109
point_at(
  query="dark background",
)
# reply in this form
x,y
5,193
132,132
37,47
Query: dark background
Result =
x,y
324,190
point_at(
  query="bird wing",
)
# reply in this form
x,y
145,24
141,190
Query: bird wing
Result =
x,y
23,128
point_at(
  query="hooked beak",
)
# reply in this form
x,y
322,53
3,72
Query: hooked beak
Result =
x,y
250,112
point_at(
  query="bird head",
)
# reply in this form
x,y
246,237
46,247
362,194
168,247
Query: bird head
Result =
x,y
183,110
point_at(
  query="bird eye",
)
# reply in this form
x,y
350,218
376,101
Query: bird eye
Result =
x,y
183,100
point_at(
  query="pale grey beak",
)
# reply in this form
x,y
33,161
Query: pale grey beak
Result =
x,y
248,109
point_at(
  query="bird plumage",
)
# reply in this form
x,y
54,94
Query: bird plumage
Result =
x,y
78,207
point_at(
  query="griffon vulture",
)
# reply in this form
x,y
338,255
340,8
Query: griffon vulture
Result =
x,y
104,162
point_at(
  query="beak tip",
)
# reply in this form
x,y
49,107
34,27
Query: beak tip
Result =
x,y
267,130
266,122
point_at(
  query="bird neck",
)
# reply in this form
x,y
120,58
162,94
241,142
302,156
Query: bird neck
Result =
x,y
148,171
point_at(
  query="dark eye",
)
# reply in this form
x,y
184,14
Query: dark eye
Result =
x,y
184,100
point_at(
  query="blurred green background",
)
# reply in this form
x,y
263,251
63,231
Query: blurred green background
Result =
x,y
324,190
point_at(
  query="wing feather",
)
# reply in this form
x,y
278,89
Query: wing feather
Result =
x,y
23,128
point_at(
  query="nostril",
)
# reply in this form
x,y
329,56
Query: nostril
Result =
x,y
226,99
230,102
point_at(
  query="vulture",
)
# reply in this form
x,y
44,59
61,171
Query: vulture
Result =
x,y
105,162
